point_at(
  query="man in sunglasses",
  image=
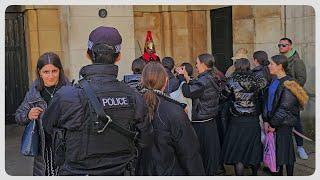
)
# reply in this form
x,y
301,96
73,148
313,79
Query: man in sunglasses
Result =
x,y
296,67
297,70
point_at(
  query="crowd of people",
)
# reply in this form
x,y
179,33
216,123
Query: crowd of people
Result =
x,y
161,120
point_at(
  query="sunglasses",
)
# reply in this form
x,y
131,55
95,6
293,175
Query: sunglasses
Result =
x,y
283,45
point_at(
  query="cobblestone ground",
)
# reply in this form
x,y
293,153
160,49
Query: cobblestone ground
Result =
x,y
18,165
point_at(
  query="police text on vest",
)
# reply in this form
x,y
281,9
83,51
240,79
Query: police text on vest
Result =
x,y
115,101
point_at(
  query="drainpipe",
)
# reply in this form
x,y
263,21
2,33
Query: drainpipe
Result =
x,y
285,21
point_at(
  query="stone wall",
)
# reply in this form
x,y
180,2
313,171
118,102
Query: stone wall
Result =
x,y
256,28
42,34
178,31
300,28
243,28
81,20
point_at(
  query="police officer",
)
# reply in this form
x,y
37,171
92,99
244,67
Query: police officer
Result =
x,y
133,80
88,151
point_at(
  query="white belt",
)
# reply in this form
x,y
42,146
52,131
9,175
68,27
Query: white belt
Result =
x,y
201,121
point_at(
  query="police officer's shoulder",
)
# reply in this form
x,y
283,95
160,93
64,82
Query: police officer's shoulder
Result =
x,y
126,78
128,88
131,77
68,93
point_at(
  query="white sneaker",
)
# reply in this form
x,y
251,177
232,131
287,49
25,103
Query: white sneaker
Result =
x,y
302,153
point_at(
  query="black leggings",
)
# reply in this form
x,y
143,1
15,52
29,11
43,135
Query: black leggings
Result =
x,y
289,169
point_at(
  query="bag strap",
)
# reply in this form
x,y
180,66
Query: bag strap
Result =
x,y
93,100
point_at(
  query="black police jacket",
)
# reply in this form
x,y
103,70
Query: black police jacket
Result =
x,y
204,95
244,90
86,152
175,148
133,80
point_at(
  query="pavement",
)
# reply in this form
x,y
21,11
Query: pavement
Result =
x,y
18,165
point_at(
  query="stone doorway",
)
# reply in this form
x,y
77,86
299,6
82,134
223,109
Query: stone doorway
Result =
x,y
221,37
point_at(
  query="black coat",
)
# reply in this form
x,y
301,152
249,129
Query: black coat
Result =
x,y
285,106
69,109
173,83
244,93
288,99
175,149
262,72
205,96
33,99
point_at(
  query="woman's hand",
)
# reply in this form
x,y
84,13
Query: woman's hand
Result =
x,y
182,70
186,110
266,126
34,113
179,70
271,129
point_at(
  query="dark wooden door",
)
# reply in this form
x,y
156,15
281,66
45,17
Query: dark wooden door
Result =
x,y
16,67
221,37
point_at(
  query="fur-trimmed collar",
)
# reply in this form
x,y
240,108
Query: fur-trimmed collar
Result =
x,y
297,91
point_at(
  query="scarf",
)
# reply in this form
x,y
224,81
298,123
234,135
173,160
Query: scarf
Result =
x,y
271,92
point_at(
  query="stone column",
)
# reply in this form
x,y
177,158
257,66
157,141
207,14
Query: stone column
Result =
x,y
243,28
42,34
32,42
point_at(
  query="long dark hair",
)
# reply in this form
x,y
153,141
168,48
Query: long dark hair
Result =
x,y
209,61
54,59
188,67
168,63
153,78
138,65
261,57
281,59
242,65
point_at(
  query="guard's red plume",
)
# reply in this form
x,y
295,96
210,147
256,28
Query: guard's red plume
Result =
x,y
149,36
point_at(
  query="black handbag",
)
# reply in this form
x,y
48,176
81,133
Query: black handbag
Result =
x,y
30,140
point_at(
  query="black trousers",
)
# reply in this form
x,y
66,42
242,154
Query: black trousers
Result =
x,y
298,127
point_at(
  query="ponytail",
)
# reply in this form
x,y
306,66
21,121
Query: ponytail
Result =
x,y
265,63
154,77
267,73
214,71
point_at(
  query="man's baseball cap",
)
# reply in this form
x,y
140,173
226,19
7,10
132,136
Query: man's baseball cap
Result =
x,y
105,35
